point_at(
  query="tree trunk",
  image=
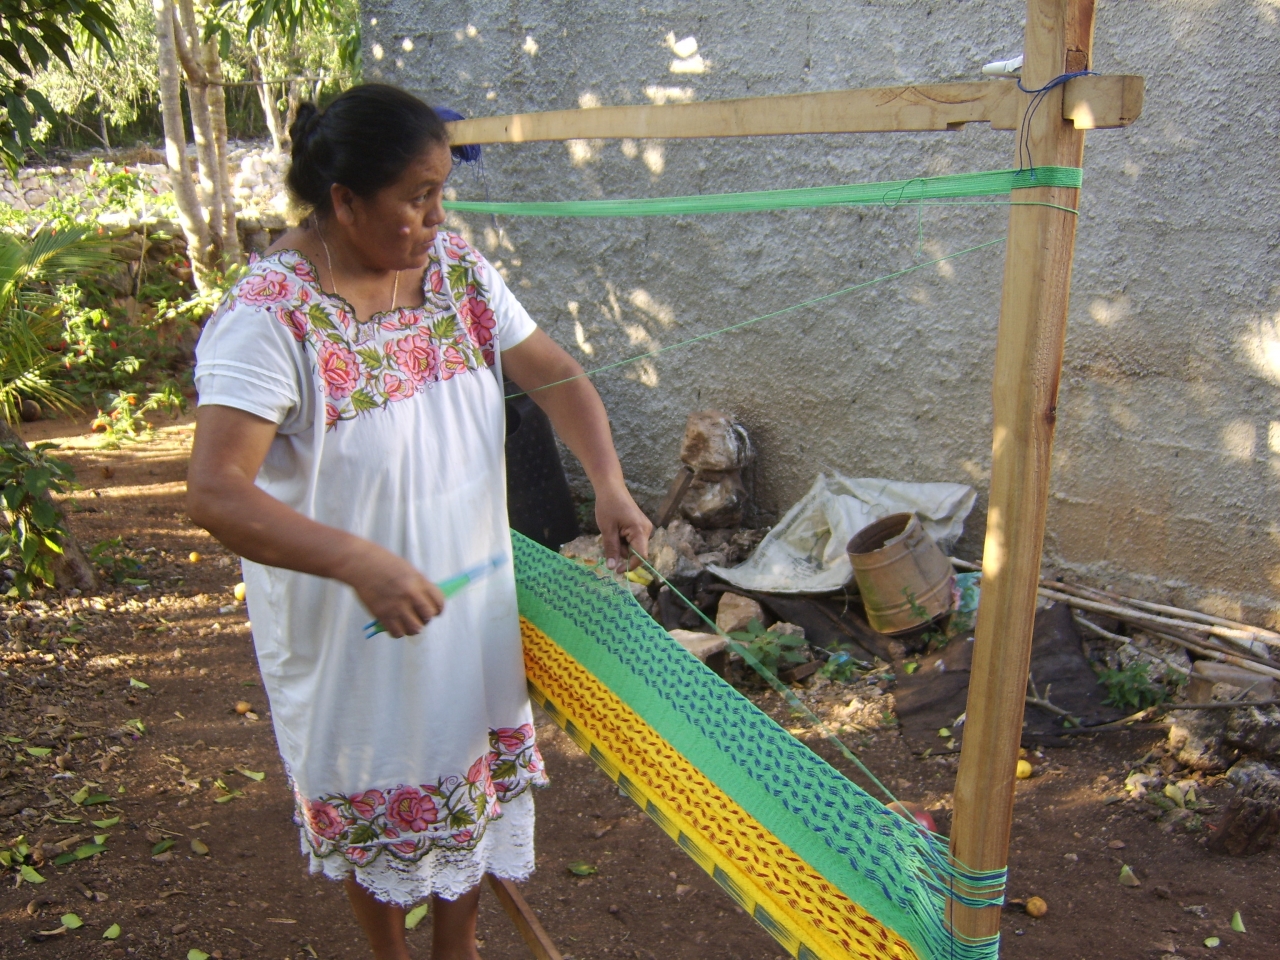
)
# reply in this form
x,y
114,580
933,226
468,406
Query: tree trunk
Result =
x,y
275,124
187,43
194,225
73,568
218,115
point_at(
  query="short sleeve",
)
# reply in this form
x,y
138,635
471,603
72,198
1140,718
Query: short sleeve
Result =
x,y
248,359
513,322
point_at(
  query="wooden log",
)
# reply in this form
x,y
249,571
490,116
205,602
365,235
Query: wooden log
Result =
x,y
1029,346
1104,101
525,920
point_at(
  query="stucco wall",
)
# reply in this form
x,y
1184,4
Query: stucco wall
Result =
x,y
1168,448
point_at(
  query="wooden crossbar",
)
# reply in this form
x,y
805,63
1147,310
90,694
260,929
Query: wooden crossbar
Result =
x,y
1089,102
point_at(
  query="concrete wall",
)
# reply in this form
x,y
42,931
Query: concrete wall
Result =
x,y
1168,450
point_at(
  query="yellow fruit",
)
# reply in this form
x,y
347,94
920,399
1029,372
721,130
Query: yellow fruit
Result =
x,y
193,556
239,592
1024,770
1036,907
243,707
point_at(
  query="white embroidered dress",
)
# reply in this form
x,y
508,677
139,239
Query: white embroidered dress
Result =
x,y
410,759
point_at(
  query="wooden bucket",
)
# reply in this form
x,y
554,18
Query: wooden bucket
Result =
x,y
904,578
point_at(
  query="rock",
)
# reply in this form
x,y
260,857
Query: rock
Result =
x,y
1256,780
714,443
787,630
715,500
1255,730
586,547
701,645
30,411
673,550
736,612
1196,739
36,198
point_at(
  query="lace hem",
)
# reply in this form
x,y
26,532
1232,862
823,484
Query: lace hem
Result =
x,y
505,849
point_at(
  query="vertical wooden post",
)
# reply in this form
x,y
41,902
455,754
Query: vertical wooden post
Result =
x,y
1029,346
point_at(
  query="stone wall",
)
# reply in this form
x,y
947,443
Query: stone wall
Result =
x,y
1168,450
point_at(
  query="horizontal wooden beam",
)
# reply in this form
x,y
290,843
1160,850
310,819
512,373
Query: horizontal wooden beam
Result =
x,y
1094,102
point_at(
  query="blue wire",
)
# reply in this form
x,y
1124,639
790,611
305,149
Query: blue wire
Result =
x,y
1038,97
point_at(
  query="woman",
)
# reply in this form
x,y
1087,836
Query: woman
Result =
x,y
349,448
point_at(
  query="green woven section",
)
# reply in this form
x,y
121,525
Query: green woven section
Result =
x,y
991,183
875,857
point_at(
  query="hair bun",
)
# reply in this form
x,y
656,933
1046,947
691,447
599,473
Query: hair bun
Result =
x,y
304,124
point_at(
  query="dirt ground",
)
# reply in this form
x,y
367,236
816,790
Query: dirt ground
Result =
x,y
140,711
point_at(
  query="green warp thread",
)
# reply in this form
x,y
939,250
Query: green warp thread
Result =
x,y
888,193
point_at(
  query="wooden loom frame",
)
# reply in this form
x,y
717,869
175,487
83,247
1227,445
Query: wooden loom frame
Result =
x,y
1029,346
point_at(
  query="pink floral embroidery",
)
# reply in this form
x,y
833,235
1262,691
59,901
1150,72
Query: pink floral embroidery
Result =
x,y
367,803
339,369
302,270
411,809
478,317
269,286
396,388
296,321
416,356
324,819
363,367
408,821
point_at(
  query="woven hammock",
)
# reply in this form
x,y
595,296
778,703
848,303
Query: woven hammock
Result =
x,y
822,865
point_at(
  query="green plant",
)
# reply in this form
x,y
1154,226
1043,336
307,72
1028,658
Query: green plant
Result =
x,y
775,651
125,419
1130,687
30,318
116,562
842,666
36,533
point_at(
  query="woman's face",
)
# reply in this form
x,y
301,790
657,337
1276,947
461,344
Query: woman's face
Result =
x,y
394,229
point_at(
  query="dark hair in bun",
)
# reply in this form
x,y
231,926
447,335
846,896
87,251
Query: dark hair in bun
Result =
x,y
363,140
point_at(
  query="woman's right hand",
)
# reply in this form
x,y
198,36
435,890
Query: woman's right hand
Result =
x,y
393,590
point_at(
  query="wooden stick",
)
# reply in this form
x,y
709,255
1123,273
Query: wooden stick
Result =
x,y
1107,634
675,495
1219,706
1196,620
1153,620
1103,101
525,920
1029,346
1212,654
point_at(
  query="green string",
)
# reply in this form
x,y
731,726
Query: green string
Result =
x,y
787,693
889,193
767,316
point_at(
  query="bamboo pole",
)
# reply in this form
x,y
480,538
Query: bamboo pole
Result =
x,y
1029,345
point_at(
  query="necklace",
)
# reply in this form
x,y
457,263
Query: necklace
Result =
x,y
395,286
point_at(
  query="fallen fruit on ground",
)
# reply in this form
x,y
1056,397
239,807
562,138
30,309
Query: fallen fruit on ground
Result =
x,y
238,592
243,707
194,557
1024,770
1036,907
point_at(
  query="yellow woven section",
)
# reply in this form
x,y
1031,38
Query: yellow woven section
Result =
x,y
808,916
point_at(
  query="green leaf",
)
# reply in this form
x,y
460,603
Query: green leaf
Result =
x,y
251,774
1212,942
81,795
12,739
162,846
414,916
136,724
71,921
138,684
38,751
580,868
1237,923
194,954
95,799
104,824
29,874
62,859
228,797
112,932
87,850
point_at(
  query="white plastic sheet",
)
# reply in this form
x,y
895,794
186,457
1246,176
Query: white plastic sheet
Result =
x,y
805,552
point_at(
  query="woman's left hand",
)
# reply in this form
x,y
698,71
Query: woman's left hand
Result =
x,y
623,526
